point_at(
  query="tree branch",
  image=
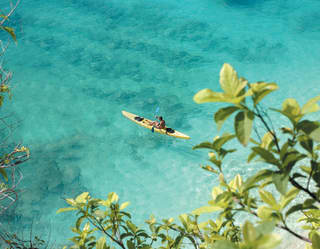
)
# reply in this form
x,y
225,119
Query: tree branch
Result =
x,y
10,13
298,186
284,227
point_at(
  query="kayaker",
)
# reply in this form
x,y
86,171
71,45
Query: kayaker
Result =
x,y
160,125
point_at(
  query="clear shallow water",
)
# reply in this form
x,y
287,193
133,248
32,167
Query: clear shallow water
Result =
x,y
79,63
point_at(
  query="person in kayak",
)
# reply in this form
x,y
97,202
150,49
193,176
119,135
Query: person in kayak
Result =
x,y
160,125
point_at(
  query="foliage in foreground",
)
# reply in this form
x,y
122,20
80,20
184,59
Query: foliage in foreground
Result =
x,y
10,175
292,168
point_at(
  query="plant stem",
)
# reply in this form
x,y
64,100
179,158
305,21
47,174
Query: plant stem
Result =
x,y
298,186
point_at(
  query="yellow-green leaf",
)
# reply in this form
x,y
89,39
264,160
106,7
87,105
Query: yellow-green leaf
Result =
x,y
206,209
291,106
61,210
224,244
105,203
101,243
215,192
207,95
268,241
71,202
249,232
266,140
230,82
268,198
238,181
311,105
315,241
264,212
285,200
113,197
124,205
82,198
262,89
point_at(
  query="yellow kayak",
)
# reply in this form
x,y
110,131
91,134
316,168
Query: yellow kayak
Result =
x,y
146,124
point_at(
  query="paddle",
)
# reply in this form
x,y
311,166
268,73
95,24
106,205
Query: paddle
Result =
x,y
155,114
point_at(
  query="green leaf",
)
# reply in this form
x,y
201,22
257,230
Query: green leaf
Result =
x,y
315,241
101,243
61,210
291,109
266,155
4,174
224,244
214,160
268,241
131,226
262,89
311,105
291,106
291,158
306,143
183,219
177,241
306,169
281,182
251,156
210,169
266,227
311,128
206,209
215,192
249,232
251,181
130,244
315,135
222,114
264,212
268,198
238,181
79,221
220,141
204,145
243,126
113,197
298,207
291,195
230,82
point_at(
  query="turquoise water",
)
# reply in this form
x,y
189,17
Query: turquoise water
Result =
x,y
78,63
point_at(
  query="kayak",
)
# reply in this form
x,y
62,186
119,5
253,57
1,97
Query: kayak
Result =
x,y
144,122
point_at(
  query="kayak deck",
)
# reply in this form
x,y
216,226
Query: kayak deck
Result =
x,y
146,123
